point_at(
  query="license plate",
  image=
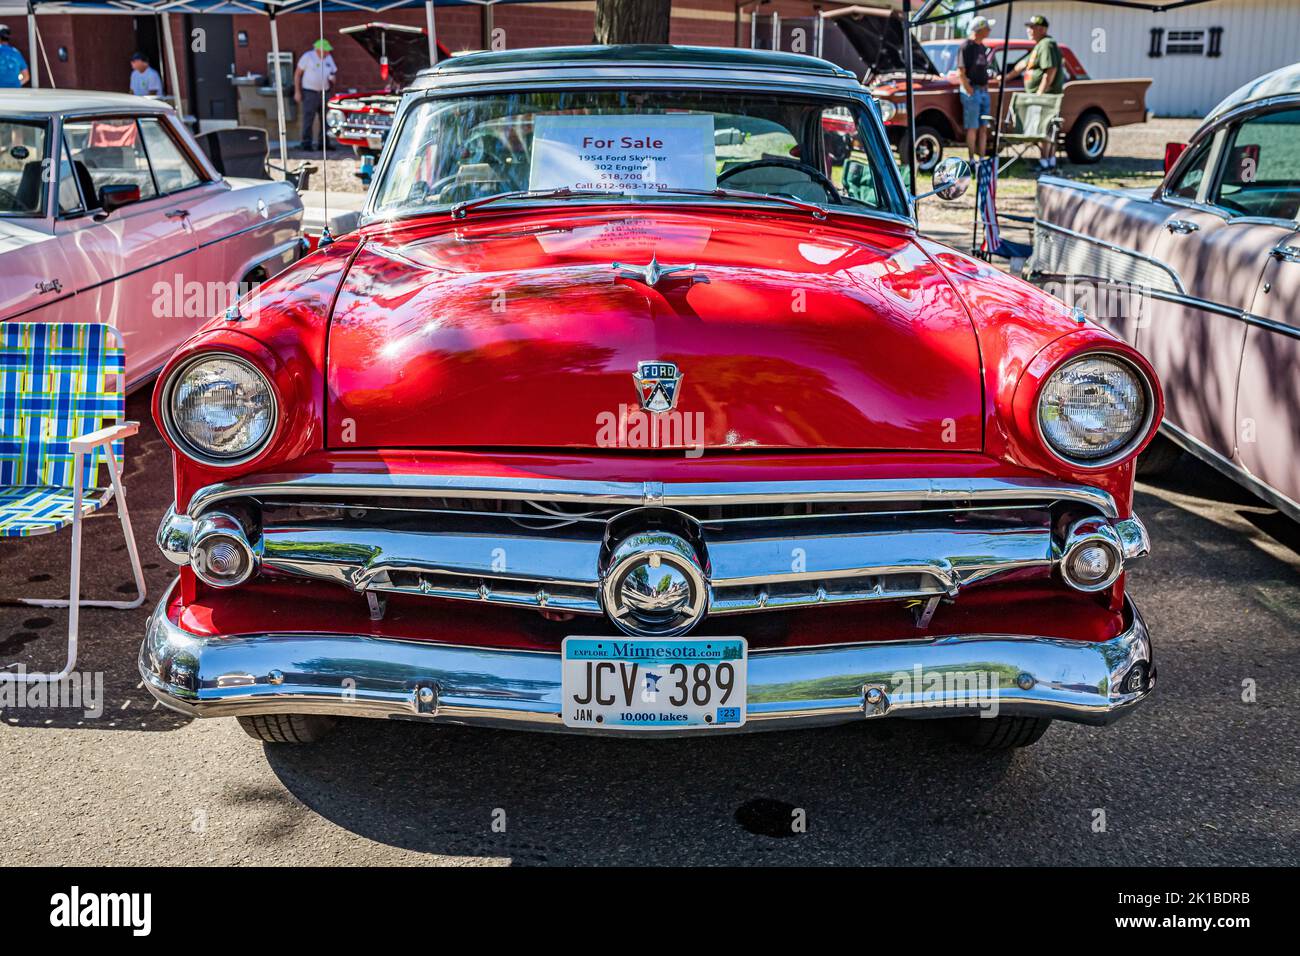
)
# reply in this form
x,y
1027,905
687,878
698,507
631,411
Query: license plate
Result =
x,y
639,684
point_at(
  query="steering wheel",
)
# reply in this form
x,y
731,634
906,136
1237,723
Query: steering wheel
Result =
x,y
812,172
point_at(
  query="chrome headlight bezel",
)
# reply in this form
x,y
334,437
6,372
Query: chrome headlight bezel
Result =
x,y
187,446
887,109
1129,447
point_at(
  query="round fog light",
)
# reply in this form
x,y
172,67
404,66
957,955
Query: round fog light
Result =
x,y
221,555
1091,566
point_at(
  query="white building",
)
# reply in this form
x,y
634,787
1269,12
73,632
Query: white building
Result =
x,y
1196,55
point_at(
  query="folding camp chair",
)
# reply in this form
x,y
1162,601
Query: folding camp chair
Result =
x,y
1031,118
61,409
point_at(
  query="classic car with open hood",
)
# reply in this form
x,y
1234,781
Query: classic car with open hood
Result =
x,y
362,119
630,408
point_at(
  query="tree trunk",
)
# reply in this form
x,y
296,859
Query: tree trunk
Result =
x,y
632,21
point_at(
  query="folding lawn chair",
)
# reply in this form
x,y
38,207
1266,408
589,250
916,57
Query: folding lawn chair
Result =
x,y
61,409
1031,118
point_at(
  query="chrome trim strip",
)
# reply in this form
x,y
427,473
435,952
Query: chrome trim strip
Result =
x,y
359,676
1120,250
955,491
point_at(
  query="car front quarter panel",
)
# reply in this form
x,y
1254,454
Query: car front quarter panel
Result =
x,y
1024,335
281,328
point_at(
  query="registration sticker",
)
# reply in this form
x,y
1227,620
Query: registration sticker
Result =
x,y
647,684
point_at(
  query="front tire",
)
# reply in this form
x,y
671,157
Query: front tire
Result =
x,y
1088,138
287,728
1158,458
999,733
929,148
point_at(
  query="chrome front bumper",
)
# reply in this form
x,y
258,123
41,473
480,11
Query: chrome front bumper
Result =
x,y
356,676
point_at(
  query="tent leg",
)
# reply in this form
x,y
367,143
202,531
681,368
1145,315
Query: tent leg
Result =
x,y
169,51
911,101
33,48
279,95
432,30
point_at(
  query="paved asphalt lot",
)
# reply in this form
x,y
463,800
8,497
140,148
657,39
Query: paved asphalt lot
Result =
x,y
1197,776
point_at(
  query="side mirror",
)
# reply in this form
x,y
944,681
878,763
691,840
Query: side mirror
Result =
x,y
950,180
1172,152
115,197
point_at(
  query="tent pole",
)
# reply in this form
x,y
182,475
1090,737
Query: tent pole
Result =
x,y
910,100
33,48
433,32
1002,87
279,91
997,125
169,51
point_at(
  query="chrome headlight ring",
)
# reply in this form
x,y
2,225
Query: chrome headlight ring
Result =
x,y
1132,437
195,449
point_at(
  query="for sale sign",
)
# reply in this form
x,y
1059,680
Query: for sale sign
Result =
x,y
624,153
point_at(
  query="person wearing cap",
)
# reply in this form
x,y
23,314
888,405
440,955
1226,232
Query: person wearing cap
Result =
x,y
1043,74
145,80
13,68
311,81
973,74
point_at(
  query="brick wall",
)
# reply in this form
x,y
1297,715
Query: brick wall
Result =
x,y
99,45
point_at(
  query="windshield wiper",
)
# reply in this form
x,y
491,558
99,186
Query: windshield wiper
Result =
x,y
818,212
462,209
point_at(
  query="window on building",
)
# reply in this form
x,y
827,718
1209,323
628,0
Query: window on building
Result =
x,y
1185,43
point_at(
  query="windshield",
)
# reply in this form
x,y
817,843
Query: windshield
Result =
x,y
22,153
942,55
640,143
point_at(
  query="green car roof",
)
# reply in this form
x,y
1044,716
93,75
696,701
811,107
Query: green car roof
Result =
x,y
653,54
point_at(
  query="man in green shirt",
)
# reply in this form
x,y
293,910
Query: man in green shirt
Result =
x,y
1043,74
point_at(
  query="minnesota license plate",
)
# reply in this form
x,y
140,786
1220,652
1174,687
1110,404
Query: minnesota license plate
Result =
x,y
646,684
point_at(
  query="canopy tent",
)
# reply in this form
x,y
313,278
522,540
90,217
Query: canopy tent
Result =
x,y
271,9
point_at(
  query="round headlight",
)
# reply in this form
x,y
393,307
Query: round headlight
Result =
x,y
1093,409
220,409
887,110
333,118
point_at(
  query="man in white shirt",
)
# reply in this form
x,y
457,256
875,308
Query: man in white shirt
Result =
x,y
145,80
311,83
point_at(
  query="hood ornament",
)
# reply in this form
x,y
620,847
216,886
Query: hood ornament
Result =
x,y
656,385
652,273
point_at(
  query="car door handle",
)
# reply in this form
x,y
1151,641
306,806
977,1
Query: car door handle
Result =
x,y
176,213
1286,253
1181,226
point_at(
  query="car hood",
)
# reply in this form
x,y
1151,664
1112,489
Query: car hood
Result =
x,y
877,37
406,48
518,331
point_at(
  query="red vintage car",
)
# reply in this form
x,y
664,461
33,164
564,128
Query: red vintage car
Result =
x,y
362,119
650,417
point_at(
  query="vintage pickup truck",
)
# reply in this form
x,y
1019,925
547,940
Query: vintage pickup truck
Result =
x,y
656,419
1090,108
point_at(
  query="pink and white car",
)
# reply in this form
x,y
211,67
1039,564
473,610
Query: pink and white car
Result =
x,y
110,212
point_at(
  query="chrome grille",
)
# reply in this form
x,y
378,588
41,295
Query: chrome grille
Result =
x,y
544,544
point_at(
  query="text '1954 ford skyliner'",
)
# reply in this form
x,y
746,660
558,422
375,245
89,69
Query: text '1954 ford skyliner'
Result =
x,y
682,436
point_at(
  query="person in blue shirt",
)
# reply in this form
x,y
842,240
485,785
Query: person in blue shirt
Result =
x,y
13,68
